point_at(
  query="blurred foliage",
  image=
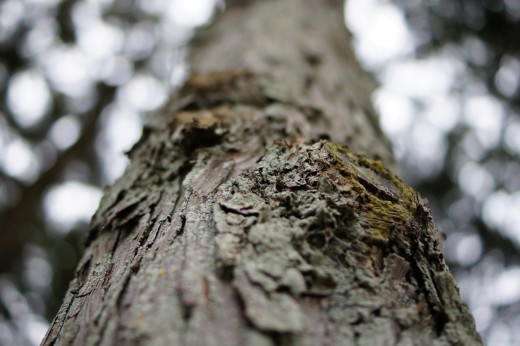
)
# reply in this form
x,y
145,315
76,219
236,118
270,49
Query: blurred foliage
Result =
x,y
485,34
76,75
475,194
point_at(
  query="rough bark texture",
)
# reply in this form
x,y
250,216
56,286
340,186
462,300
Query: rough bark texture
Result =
x,y
305,47
240,222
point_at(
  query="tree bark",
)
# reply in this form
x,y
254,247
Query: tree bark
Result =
x,y
243,218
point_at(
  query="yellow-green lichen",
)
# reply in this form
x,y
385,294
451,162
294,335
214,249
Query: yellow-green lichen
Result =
x,y
386,200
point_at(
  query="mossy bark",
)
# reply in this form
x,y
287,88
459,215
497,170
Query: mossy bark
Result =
x,y
243,218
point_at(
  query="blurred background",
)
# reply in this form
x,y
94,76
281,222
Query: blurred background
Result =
x,y
79,77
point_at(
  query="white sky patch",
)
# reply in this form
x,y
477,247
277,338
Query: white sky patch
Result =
x,y
41,2
114,164
429,147
36,329
69,203
100,40
121,129
152,6
116,70
178,75
174,35
500,334
512,136
380,31
65,132
500,210
396,117
485,115
86,12
465,249
28,97
11,13
68,70
142,93
19,161
40,37
37,273
496,208
507,287
472,147
469,249
140,40
443,112
483,316
191,13
507,78
419,78
103,3
476,180
460,211
397,112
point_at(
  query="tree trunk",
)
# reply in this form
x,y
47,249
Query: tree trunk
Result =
x,y
243,220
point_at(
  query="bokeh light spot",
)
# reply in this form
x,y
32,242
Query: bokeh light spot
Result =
x,y
191,13
19,161
70,203
485,114
500,210
380,31
143,93
475,180
122,128
512,137
65,132
507,287
419,78
67,69
28,97
507,78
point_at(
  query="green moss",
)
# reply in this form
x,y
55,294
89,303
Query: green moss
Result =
x,y
384,200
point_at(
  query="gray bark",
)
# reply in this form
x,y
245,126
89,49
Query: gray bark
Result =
x,y
240,222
